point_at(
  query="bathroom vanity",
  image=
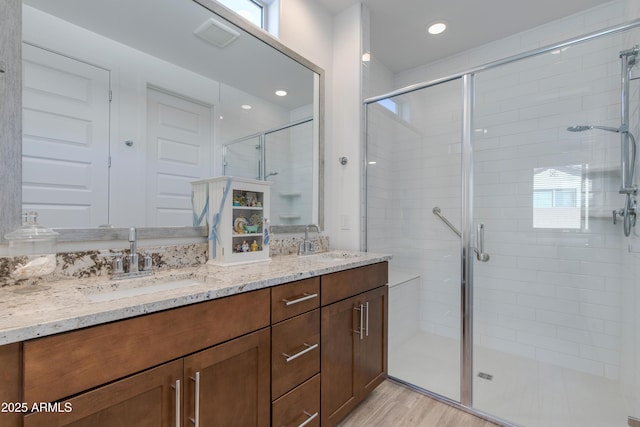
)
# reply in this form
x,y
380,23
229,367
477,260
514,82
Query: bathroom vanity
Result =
x,y
299,340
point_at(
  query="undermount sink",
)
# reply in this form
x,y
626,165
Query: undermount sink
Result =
x,y
124,289
333,256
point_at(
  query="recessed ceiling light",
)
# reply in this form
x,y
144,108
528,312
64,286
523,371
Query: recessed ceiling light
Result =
x,y
437,27
281,92
366,57
246,107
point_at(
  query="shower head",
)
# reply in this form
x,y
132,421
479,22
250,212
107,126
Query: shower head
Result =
x,y
582,128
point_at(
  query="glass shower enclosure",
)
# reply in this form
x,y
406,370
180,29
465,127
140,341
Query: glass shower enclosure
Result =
x,y
284,156
512,291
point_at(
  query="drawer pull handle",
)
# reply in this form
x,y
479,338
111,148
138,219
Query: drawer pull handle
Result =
x,y
305,297
300,353
176,387
360,308
196,419
308,420
366,324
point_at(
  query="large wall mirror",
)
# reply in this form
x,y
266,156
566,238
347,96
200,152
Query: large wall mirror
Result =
x,y
125,103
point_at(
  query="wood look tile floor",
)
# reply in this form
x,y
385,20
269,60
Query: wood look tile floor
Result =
x,y
394,405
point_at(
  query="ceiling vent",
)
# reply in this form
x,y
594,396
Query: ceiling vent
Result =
x,y
216,33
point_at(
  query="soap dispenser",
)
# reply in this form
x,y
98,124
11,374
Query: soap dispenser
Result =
x,y
35,245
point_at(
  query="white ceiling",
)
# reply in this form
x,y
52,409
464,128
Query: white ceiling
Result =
x,y
399,39
164,28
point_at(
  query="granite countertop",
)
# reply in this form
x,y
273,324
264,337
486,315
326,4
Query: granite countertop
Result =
x,y
77,303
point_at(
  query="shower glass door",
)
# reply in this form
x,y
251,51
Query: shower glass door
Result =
x,y
413,166
556,306
243,157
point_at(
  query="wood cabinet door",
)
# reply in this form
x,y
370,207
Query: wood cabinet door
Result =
x,y
147,399
229,384
10,384
372,363
354,352
338,360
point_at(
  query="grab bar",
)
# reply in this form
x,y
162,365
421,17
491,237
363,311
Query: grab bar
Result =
x,y
437,212
480,255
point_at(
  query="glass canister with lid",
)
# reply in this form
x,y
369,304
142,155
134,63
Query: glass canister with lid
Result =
x,y
35,246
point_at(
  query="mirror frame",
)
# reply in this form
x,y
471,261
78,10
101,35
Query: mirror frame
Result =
x,y
14,186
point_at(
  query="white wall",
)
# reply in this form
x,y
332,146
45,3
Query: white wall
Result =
x,y
344,181
334,43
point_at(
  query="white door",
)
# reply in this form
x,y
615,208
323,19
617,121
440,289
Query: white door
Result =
x,y
179,139
65,149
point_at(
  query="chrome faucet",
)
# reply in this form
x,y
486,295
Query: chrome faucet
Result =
x,y
133,251
130,268
306,247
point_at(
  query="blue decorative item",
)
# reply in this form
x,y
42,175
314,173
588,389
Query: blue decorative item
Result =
x,y
265,230
213,235
197,219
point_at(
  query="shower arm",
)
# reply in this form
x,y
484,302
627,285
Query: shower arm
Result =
x,y
481,255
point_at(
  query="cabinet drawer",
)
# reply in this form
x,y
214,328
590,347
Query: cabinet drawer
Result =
x,y
300,405
62,365
295,352
344,284
294,298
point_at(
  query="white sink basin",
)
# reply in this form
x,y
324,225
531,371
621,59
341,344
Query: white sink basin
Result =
x,y
333,256
124,289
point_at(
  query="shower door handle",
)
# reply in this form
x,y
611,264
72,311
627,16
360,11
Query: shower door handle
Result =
x,y
481,255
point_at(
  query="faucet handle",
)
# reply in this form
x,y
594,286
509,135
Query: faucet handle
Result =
x,y
118,265
148,259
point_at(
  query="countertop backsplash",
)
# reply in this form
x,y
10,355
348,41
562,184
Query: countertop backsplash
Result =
x,y
86,264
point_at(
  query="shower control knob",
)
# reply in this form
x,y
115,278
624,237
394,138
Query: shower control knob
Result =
x,y
615,215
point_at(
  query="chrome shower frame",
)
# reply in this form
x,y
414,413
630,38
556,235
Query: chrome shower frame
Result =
x,y
466,286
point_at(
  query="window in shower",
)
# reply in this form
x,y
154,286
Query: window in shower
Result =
x,y
399,106
389,104
251,10
557,197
